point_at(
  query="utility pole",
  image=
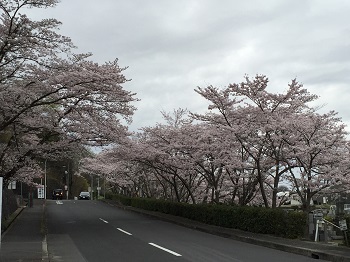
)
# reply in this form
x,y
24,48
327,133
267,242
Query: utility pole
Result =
x,y
69,178
92,187
67,175
45,181
21,194
98,188
104,188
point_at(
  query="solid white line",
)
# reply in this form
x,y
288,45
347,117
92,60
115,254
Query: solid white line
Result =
x,y
164,249
125,232
104,220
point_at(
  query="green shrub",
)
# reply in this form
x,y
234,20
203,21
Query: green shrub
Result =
x,y
253,219
295,224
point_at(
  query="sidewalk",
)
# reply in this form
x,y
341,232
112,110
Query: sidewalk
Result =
x,y
23,240
317,250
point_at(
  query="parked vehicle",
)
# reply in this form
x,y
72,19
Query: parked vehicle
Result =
x,y
84,195
57,194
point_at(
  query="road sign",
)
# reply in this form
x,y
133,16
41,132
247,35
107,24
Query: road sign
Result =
x,y
343,226
12,185
41,192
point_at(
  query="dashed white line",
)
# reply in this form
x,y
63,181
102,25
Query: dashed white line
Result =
x,y
125,232
104,220
165,249
152,244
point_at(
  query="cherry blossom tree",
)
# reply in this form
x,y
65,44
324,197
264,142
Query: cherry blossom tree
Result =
x,y
114,172
260,122
159,148
156,162
320,156
249,144
53,101
185,160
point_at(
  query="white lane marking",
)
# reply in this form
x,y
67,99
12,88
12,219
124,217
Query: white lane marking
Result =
x,y
125,232
104,220
59,202
165,249
45,253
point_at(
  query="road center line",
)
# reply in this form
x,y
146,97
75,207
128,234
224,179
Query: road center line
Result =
x,y
104,220
165,249
125,232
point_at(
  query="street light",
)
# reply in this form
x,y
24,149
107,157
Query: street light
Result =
x,y
45,180
66,178
67,175
92,187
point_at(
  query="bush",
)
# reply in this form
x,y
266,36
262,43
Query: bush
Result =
x,y
295,223
126,201
253,219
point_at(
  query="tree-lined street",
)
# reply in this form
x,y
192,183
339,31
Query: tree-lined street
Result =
x,y
253,158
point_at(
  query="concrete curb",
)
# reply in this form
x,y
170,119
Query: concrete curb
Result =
x,y
8,222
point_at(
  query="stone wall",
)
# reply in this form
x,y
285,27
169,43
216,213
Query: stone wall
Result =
x,y
9,203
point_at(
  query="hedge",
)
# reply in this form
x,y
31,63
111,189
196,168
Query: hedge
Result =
x,y
253,219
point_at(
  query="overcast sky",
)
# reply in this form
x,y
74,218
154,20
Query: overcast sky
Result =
x,y
173,46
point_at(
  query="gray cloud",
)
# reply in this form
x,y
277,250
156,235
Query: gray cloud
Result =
x,y
173,46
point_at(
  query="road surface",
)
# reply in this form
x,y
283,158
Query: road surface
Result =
x,y
83,230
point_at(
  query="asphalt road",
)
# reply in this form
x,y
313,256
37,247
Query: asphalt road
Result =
x,y
94,231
